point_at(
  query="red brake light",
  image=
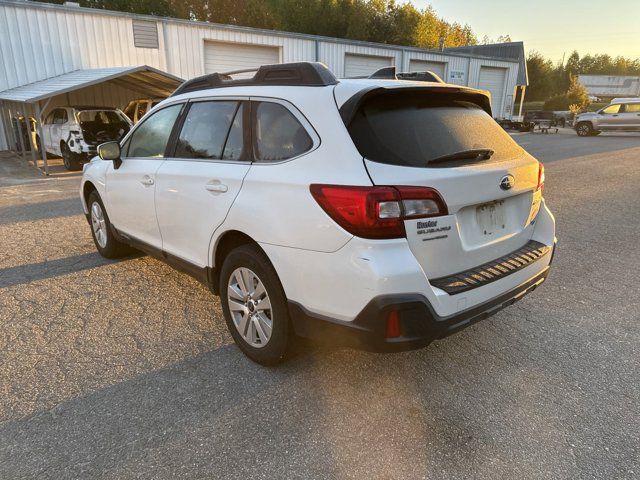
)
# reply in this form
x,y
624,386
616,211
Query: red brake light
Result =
x,y
377,212
540,176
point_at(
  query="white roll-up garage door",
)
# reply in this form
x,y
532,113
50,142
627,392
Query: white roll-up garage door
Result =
x,y
439,68
225,57
364,65
494,79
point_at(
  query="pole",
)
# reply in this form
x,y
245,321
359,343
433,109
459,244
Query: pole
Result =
x,y
21,138
41,134
524,89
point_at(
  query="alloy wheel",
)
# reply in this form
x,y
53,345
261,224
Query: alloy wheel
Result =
x,y
250,307
99,224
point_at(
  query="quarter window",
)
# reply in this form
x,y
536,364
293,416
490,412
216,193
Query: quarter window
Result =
x,y
278,135
151,137
205,130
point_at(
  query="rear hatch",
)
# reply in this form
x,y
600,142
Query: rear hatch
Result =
x,y
449,142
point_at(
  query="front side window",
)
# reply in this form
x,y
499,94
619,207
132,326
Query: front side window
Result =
x,y
151,137
611,109
278,135
205,130
49,119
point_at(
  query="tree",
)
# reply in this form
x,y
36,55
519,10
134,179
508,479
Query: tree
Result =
x,y
540,70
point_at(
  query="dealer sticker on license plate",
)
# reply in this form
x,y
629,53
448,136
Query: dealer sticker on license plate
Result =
x,y
491,217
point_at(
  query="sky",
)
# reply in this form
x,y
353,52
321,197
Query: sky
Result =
x,y
552,27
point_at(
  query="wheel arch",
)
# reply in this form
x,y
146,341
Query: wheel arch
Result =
x,y
223,244
87,188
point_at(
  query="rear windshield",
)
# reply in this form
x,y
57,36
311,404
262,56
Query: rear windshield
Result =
x,y
411,130
102,117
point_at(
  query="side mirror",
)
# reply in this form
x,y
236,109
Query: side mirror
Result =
x,y
110,151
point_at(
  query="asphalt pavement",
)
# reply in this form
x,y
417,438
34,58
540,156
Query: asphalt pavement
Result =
x,y
124,369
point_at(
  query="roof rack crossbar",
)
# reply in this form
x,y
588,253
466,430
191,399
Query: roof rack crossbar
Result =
x,y
307,74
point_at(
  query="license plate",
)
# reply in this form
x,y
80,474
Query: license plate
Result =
x,y
491,218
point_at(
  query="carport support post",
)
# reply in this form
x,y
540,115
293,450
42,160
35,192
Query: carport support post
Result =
x,y
6,125
21,137
41,135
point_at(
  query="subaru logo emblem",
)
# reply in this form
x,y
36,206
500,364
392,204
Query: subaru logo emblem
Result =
x,y
507,182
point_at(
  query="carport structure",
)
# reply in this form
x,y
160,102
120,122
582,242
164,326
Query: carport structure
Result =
x,y
114,86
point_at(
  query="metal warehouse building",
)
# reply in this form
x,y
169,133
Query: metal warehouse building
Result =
x,y
43,47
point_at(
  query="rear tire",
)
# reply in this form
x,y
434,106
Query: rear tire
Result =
x,y
101,231
255,306
70,159
584,129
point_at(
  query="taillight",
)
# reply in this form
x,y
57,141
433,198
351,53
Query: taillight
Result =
x,y
540,177
377,212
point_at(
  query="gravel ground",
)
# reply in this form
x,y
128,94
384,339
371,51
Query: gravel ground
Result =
x,y
125,369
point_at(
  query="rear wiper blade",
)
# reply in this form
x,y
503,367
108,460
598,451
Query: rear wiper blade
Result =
x,y
478,153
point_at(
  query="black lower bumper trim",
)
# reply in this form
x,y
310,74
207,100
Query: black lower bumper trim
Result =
x,y
419,324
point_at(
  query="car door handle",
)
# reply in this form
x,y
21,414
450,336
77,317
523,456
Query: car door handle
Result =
x,y
147,181
216,187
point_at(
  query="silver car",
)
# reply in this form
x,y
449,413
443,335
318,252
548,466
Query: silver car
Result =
x,y
623,115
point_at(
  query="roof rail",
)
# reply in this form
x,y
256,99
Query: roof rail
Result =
x,y
307,74
420,77
385,73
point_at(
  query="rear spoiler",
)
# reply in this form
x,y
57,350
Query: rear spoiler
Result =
x,y
482,98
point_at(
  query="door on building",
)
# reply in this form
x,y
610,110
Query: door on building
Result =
x,y
227,57
494,79
134,182
439,68
364,65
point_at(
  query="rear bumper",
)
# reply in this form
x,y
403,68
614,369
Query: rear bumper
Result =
x,y
419,323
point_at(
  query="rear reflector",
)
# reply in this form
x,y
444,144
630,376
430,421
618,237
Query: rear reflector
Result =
x,y
377,212
393,324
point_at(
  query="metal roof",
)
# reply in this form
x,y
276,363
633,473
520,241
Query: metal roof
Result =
x,y
144,79
513,51
454,52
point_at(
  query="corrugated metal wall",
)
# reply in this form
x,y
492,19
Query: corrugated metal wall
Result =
x,y
39,41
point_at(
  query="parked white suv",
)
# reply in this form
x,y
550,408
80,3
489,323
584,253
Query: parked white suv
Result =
x,y
74,133
380,214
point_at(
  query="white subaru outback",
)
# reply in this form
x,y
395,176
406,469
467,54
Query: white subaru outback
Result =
x,y
379,214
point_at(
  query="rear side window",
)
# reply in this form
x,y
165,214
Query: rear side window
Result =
x,y
632,108
411,130
278,135
60,116
151,137
205,130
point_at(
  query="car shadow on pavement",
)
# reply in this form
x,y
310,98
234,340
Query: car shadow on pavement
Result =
x,y
157,419
30,212
31,272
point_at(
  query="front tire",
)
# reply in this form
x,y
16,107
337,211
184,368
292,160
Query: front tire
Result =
x,y
106,243
255,306
584,129
70,159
